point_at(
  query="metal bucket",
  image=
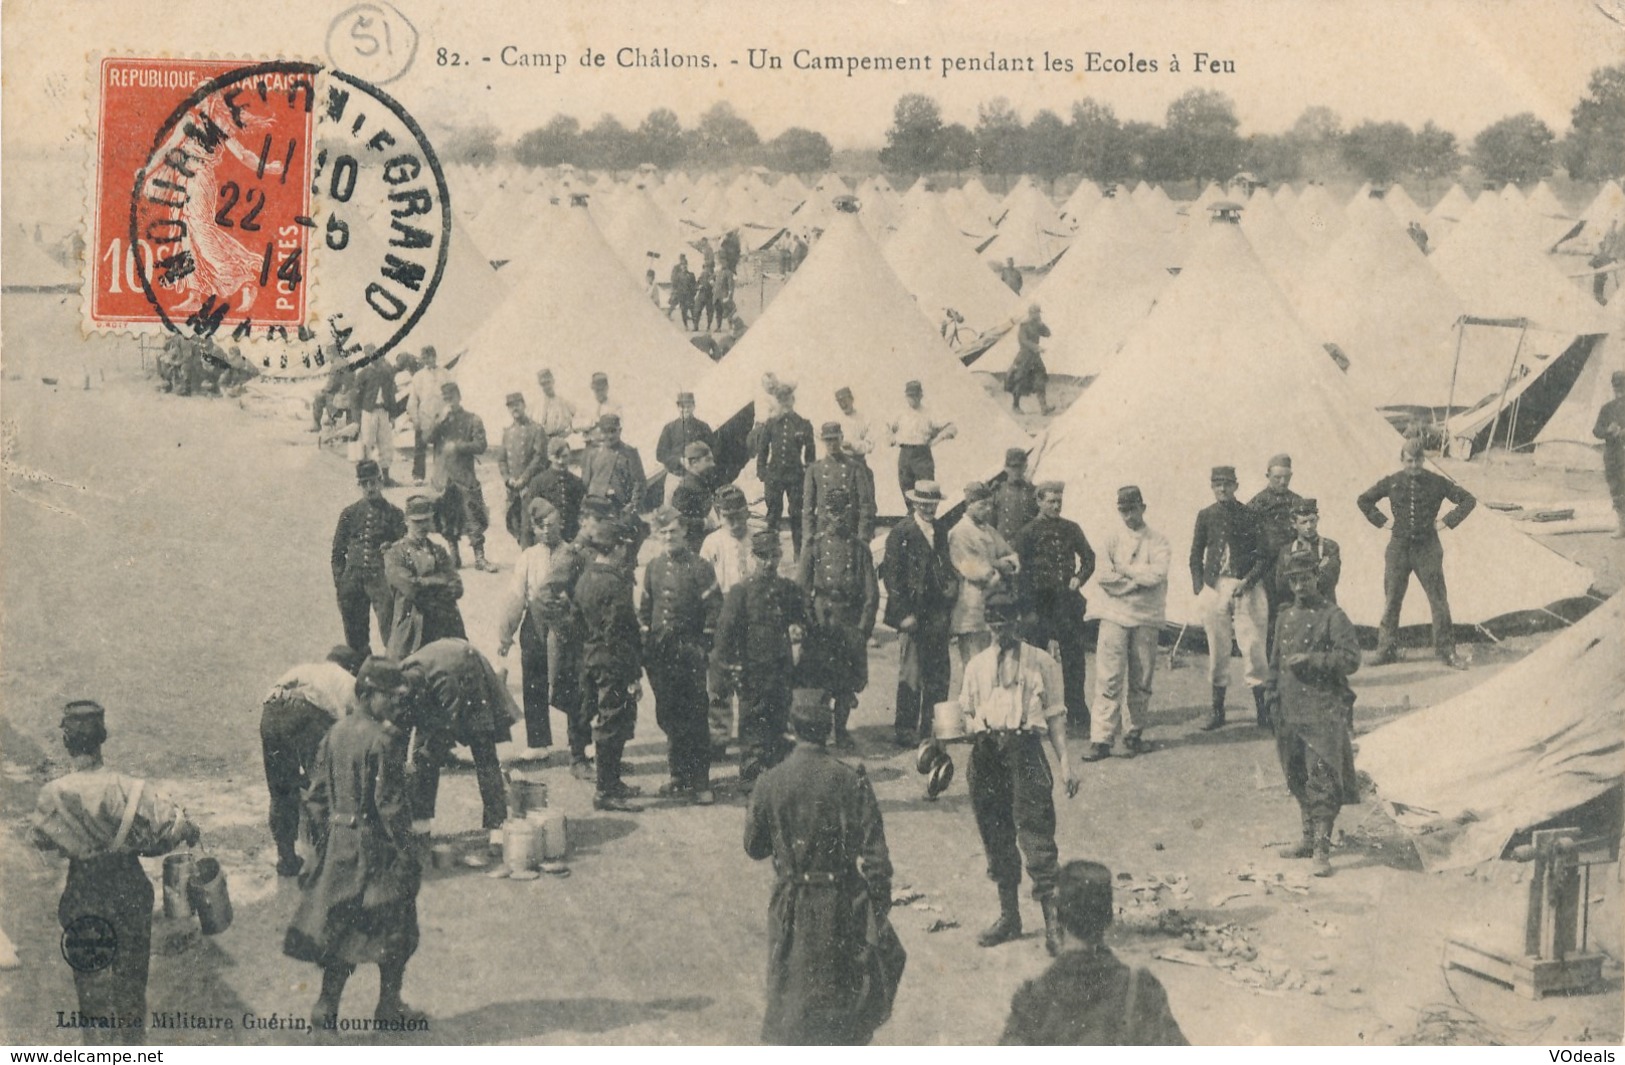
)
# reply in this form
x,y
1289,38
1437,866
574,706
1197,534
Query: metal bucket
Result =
x,y
947,721
177,878
525,795
555,837
519,844
209,896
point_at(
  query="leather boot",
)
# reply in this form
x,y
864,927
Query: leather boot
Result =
x,y
456,554
1305,847
1008,926
1215,718
1323,847
1054,937
480,563
1263,707
843,713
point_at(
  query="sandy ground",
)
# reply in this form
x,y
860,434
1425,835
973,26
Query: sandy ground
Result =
x,y
168,557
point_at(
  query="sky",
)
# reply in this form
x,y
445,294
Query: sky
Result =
x,y
1461,63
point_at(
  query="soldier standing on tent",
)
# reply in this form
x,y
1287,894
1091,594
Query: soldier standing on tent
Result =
x,y
366,527
984,561
1028,376
728,549
837,573
458,441
784,451
1010,275
912,434
294,716
376,400
560,487
834,961
1315,651
103,821
1273,509
1056,562
1134,576
682,292
695,495
857,434
921,585
837,470
1307,542
425,584
538,610
1015,500
1610,429
611,655
522,456
1415,495
457,698
425,406
556,415
679,433
1227,562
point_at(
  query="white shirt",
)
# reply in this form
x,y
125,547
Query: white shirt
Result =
x,y
918,428
327,685
425,404
729,556
529,587
857,432
1138,594
556,415
1009,690
608,406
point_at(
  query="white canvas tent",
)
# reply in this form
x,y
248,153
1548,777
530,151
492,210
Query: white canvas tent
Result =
x,y
1402,207
644,236
1566,440
1532,743
1031,231
940,270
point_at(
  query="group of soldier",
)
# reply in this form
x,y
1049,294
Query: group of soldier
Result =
x,y
199,365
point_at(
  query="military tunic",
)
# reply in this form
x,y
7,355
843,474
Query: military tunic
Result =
x,y
1328,561
1316,706
786,447
674,441
1054,553
365,528
847,474
611,658
423,612
1090,998
1415,500
679,610
522,456
1273,509
753,635
457,441
466,702
837,573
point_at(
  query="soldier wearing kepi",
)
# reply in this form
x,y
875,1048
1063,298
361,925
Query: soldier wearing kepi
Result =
x,y
366,527
1273,509
837,572
522,456
458,441
921,584
1227,562
784,450
834,961
678,613
425,583
685,429
611,657
728,549
1056,562
695,495
1321,551
615,471
103,822
538,610
837,471
1015,499
1012,701
1315,651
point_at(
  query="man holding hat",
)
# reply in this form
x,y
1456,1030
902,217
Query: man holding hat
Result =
x,y
366,527
1056,562
560,487
103,822
1415,495
358,906
1610,429
611,651
837,573
458,441
1321,551
984,562
728,549
425,406
425,584
838,470
695,494
1015,500
834,961
294,716
1272,508
921,586
1087,997
678,614
1228,562
677,435
614,469
784,450
912,433
556,415
1133,575
522,456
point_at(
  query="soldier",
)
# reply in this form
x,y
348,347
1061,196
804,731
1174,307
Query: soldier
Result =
x,y
678,614
1315,651
614,470
694,496
984,562
611,655
1027,374
601,403
366,527
556,415
782,455
538,609
425,584
1415,495
457,698
728,549
682,292
834,961
703,307
857,434
1134,578
1610,429
761,618
425,406
560,487
1087,997
1056,562
1322,551
376,400
102,822
679,433
1015,500
1012,701
1227,562
294,716
920,586
359,905
837,470
1010,275
458,441
913,433
837,574
1272,508
522,456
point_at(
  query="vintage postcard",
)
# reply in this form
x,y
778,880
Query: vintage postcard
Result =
x,y
613,523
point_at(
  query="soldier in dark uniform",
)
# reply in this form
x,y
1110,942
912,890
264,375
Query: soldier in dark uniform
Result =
x,y
614,470
457,698
103,822
920,587
1015,500
611,655
1415,495
1273,509
1056,562
365,529
1087,997
1315,651
837,574
761,617
425,583
678,434
294,716
834,961
522,456
695,495
678,613
1227,561
703,312
560,487
358,905
457,441
682,291
1322,551
838,469
784,451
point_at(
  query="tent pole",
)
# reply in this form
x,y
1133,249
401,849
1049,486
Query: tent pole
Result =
x,y
1487,632
1450,400
1566,622
1506,385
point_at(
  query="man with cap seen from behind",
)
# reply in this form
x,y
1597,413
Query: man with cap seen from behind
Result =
x,y
611,651
1133,575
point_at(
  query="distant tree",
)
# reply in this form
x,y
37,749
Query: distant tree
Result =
x,y
1202,139
1434,156
1099,149
722,136
799,151
1000,140
1517,149
1595,147
1379,151
608,145
1274,157
470,145
555,143
660,138
1147,148
914,141
1318,135
1049,147
958,146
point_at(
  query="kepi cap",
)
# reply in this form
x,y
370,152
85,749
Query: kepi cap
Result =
x,y
1129,496
1015,456
913,388
609,421
83,711
1223,475
1306,506
830,431
515,397
976,491
419,508
1282,460
763,542
697,449
367,470
685,399
380,674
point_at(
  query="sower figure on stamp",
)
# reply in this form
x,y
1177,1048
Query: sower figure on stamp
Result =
x,y
834,960
1056,562
458,441
366,527
359,905
103,822
921,586
294,716
538,610
425,584
522,456
837,573
1315,651
728,549
1227,563
611,657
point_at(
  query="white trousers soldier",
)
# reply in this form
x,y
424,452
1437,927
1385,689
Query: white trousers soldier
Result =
x,y
1244,619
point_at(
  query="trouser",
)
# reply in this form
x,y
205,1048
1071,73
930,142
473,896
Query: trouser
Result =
x,y
115,889
677,677
923,674
1613,470
1125,664
971,644
429,751
1310,778
720,684
839,621
355,596
702,311
778,491
914,464
290,731
465,507
537,699
1011,793
764,716
420,453
1273,600
1425,558
318,407
613,711
1059,619
1227,618
377,437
